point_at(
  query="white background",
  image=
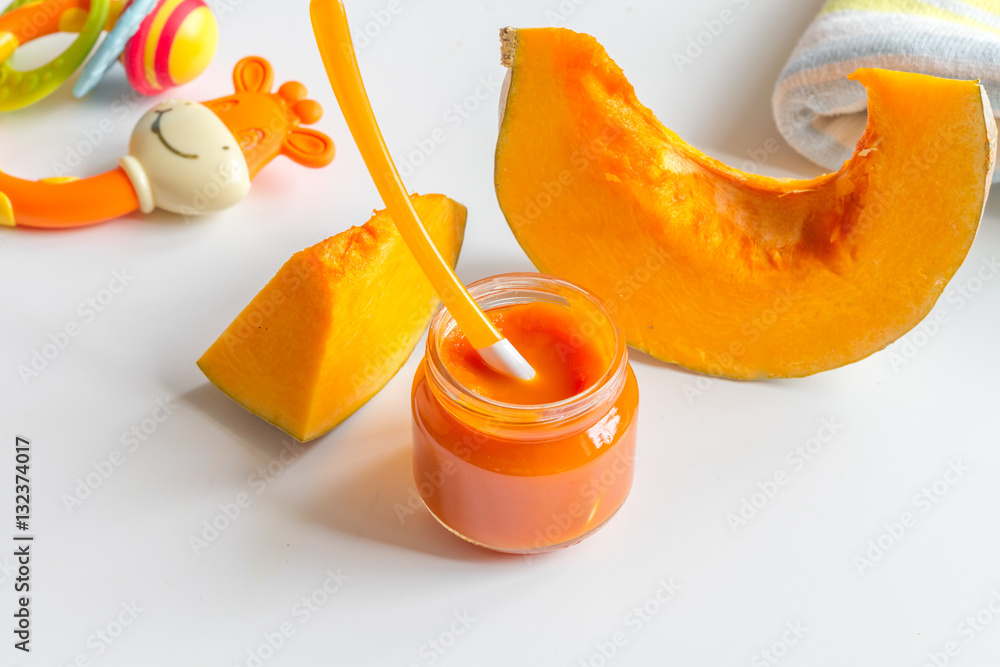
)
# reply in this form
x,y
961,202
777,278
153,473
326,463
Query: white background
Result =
x,y
900,425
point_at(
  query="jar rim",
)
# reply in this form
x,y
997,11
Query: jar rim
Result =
x,y
509,289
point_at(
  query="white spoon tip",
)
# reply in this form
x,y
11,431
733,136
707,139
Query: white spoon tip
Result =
x,y
504,358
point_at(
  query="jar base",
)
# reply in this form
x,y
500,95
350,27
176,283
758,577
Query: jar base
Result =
x,y
525,552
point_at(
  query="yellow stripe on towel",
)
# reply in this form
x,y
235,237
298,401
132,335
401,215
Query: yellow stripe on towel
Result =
x,y
988,6
915,8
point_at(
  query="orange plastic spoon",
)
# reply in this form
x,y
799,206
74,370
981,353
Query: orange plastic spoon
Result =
x,y
329,22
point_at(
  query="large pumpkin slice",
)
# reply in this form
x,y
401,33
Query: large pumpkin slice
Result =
x,y
726,272
334,325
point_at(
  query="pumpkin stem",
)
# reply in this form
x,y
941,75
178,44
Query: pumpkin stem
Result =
x,y
508,45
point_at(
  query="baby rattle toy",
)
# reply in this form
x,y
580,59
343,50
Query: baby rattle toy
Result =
x,y
161,43
184,157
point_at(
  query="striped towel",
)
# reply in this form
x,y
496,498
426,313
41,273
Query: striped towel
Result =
x,y
822,114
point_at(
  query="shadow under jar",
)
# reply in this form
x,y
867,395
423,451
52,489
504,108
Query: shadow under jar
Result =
x,y
526,477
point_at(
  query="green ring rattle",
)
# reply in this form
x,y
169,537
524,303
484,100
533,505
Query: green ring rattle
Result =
x,y
25,20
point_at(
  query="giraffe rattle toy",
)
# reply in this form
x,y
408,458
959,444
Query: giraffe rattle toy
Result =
x,y
185,157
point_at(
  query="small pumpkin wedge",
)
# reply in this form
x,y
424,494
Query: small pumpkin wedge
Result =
x,y
334,325
726,272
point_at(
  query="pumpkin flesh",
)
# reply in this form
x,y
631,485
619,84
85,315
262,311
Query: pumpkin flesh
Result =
x,y
334,325
726,272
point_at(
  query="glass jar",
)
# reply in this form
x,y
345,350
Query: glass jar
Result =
x,y
526,478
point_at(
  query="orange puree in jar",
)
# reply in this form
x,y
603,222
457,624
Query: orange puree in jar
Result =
x,y
519,466
541,332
